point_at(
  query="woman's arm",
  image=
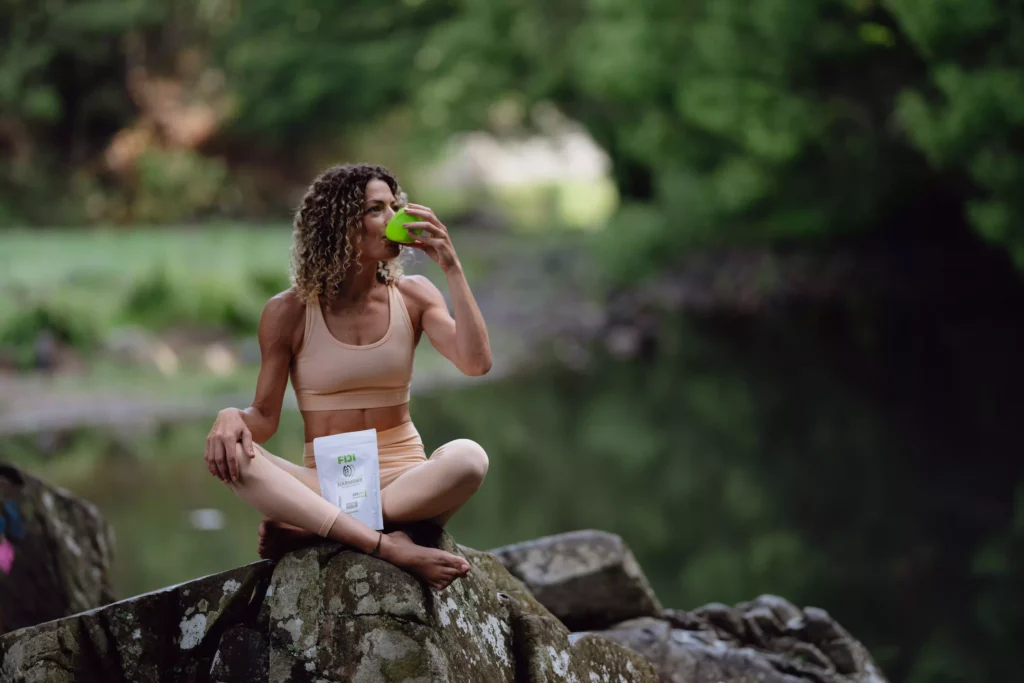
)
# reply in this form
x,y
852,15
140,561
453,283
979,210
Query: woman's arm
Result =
x,y
280,330
463,339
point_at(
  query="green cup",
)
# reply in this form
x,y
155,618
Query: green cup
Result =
x,y
396,232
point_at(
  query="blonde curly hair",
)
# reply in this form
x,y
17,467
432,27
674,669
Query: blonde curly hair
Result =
x,y
328,229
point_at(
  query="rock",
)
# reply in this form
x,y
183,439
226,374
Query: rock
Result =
x,y
550,654
328,614
588,579
55,552
340,615
167,635
241,657
503,580
846,653
321,614
767,640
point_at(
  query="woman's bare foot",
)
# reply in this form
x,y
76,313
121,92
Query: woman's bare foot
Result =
x,y
437,567
278,539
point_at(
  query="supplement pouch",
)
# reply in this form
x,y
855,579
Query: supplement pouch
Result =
x,y
348,468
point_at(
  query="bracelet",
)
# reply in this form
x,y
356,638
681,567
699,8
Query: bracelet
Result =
x,y
380,537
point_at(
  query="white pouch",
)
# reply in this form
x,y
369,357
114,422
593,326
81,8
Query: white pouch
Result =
x,y
349,472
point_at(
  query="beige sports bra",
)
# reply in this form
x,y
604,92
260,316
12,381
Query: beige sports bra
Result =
x,y
330,375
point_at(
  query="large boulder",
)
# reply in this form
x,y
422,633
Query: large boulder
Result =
x,y
342,616
55,552
592,583
326,614
321,614
767,640
168,635
588,579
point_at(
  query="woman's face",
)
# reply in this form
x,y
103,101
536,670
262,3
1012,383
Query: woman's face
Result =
x,y
379,205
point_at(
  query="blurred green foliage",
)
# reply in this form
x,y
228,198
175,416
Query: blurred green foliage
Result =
x,y
775,121
726,122
63,95
306,71
82,287
176,185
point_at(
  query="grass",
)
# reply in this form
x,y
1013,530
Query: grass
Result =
x,y
42,259
83,284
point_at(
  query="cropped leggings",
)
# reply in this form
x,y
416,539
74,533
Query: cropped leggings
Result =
x,y
434,489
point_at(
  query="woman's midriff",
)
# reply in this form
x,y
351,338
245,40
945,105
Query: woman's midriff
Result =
x,y
399,446
327,422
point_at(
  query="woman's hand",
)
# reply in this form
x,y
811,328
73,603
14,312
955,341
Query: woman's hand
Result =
x,y
436,243
228,429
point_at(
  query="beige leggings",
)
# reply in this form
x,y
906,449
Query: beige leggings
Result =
x,y
413,488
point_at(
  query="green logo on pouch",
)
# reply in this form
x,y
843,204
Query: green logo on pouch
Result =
x,y
346,458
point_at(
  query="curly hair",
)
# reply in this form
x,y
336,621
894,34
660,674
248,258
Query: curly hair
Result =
x,y
328,229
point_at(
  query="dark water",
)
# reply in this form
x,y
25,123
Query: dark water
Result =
x,y
863,470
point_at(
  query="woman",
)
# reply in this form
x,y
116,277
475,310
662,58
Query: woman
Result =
x,y
345,333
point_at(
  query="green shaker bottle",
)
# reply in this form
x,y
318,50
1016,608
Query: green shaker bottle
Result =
x,y
396,232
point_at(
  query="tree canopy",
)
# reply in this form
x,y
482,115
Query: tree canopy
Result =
x,y
727,122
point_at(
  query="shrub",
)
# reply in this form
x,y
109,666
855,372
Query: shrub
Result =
x,y
176,185
161,299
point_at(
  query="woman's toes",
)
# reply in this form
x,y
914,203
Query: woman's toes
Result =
x,y
456,563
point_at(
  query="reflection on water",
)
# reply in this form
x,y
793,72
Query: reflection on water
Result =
x,y
749,459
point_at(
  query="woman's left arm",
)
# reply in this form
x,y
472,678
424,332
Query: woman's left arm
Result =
x,y
463,339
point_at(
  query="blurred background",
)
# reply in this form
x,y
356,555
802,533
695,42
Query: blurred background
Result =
x,y
752,271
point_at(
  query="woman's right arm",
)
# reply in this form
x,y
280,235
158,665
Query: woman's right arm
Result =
x,y
279,334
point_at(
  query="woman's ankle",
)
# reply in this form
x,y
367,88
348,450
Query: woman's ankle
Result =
x,y
388,548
